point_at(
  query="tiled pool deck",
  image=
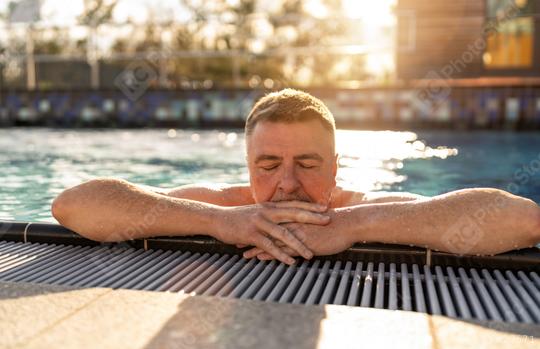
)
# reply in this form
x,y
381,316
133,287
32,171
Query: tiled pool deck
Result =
x,y
46,316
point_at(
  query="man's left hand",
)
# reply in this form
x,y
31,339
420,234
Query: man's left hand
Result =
x,y
321,240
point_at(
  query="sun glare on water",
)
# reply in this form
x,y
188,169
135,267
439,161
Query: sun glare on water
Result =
x,y
371,160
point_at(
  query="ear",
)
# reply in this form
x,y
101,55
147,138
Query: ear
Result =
x,y
335,165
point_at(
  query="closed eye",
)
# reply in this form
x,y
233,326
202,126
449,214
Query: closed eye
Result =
x,y
307,166
269,168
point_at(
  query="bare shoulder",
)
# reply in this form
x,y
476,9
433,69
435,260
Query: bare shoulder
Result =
x,y
217,194
351,198
387,196
343,197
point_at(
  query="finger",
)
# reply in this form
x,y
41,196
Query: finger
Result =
x,y
281,233
296,231
285,249
263,256
252,252
269,247
309,206
256,252
241,245
287,215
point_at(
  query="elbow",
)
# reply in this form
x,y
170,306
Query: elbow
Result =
x,y
528,217
81,209
536,224
60,209
63,211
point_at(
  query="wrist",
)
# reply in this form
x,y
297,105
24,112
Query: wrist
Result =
x,y
355,224
217,221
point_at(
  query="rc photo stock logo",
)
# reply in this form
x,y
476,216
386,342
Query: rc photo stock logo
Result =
x,y
432,92
463,235
135,79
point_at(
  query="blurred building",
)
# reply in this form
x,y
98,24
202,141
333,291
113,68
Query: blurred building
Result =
x,y
468,39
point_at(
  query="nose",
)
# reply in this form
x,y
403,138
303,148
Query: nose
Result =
x,y
289,183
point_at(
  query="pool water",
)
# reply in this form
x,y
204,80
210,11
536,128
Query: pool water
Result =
x,y
38,163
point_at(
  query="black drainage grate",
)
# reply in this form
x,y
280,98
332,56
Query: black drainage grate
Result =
x,y
467,293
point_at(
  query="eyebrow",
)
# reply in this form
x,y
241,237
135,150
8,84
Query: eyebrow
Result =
x,y
309,156
265,157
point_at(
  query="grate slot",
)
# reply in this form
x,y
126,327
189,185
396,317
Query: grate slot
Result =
x,y
524,296
405,289
131,280
94,265
38,261
267,287
331,285
488,302
318,288
181,270
16,250
247,280
448,306
289,292
137,265
215,277
172,266
433,299
528,284
13,260
230,283
196,268
116,271
535,278
53,272
368,283
419,299
47,262
499,298
462,306
105,269
280,288
206,272
517,306
8,245
379,287
307,283
355,285
259,281
343,285
223,279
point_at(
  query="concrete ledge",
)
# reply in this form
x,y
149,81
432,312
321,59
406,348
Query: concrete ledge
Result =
x,y
45,316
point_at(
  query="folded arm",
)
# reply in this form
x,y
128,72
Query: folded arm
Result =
x,y
116,210
470,221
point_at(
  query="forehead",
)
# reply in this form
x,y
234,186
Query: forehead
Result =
x,y
282,138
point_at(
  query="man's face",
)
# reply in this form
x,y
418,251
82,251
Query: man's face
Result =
x,y
291,161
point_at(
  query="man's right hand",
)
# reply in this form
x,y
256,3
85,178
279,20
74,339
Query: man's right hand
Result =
x,y
259,225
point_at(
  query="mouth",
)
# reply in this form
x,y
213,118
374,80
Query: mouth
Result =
x,y
292,198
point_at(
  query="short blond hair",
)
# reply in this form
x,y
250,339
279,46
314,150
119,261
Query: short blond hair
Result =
x,y
290,105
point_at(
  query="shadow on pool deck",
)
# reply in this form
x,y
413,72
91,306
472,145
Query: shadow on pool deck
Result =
x,y
45,316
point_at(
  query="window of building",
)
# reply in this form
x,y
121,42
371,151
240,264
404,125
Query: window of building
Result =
x,y
510,34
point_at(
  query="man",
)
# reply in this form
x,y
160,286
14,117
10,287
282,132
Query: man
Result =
x,y
292,205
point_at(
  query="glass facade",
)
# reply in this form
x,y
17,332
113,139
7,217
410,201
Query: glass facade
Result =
x,y
510,43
